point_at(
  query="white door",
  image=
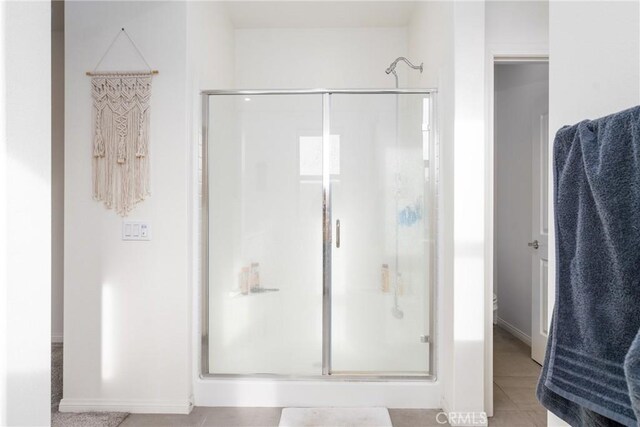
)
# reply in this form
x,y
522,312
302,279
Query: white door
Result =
x,y
539,239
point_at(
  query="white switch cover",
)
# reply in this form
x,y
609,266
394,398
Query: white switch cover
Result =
x,y
136,230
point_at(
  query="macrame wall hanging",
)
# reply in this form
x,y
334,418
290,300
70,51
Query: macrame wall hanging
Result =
x,y
121,134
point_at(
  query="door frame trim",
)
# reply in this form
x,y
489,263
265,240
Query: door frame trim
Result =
x,y
327,375
497,55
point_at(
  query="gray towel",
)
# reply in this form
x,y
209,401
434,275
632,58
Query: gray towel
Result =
x,y
596,318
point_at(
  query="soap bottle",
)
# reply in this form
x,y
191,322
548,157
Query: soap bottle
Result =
x,y
254,281
385,278
244,281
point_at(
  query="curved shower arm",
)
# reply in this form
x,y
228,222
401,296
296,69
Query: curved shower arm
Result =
x,y
392,67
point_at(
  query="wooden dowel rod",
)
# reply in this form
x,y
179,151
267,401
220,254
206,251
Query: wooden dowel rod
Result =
x,y
110,73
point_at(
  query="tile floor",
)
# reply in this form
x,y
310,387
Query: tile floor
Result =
x,y
515,376
262,417
515,404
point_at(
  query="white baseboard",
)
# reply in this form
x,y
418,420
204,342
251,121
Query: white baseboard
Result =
x,y
57,338
131,406
444,405
515,331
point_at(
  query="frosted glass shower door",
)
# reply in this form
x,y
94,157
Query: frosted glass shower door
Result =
x,y
383,217
265,234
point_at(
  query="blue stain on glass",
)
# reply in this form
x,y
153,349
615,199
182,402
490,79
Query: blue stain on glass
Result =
x,y
410,215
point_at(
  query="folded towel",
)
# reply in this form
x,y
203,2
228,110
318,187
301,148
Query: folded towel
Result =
x,y
597,311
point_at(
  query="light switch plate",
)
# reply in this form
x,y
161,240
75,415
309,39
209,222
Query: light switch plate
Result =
x,y
136,230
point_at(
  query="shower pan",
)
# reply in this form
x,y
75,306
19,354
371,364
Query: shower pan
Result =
x,y
319,220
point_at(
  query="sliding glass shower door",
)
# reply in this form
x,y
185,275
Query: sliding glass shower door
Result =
x,y
265,234
319,233
382,202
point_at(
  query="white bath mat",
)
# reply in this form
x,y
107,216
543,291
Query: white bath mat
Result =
x,y
335,417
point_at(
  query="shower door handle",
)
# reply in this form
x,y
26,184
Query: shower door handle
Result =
x,y
337,233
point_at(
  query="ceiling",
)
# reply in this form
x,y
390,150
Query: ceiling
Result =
x,y
319,14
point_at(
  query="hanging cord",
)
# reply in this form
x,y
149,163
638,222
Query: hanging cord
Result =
x,y
134,46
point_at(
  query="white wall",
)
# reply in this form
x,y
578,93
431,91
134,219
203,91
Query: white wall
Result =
x,y
211,49
25,213
517,24
211,61
127,304
595,47
318,57
57,179
521,96
594,71
468,193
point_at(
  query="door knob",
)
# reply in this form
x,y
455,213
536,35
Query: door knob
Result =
x,y
534,244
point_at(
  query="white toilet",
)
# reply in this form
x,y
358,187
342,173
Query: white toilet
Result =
x,y
495,309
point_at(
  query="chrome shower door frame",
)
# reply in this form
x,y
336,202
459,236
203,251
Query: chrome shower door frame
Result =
x,y
327,233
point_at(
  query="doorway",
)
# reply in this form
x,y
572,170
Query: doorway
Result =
x,y
520,129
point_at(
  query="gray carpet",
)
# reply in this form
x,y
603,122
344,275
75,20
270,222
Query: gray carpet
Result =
x,y
87,419
67,419
56,376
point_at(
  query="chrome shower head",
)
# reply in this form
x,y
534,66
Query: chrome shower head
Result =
x,y
393,65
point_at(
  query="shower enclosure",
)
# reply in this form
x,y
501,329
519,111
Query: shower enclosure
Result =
x,y
319,233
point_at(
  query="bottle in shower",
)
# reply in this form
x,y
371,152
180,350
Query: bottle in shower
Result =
x,y
385,278
254,281
244,281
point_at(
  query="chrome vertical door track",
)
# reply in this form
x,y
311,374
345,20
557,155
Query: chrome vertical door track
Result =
x,y
204,237
327,234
